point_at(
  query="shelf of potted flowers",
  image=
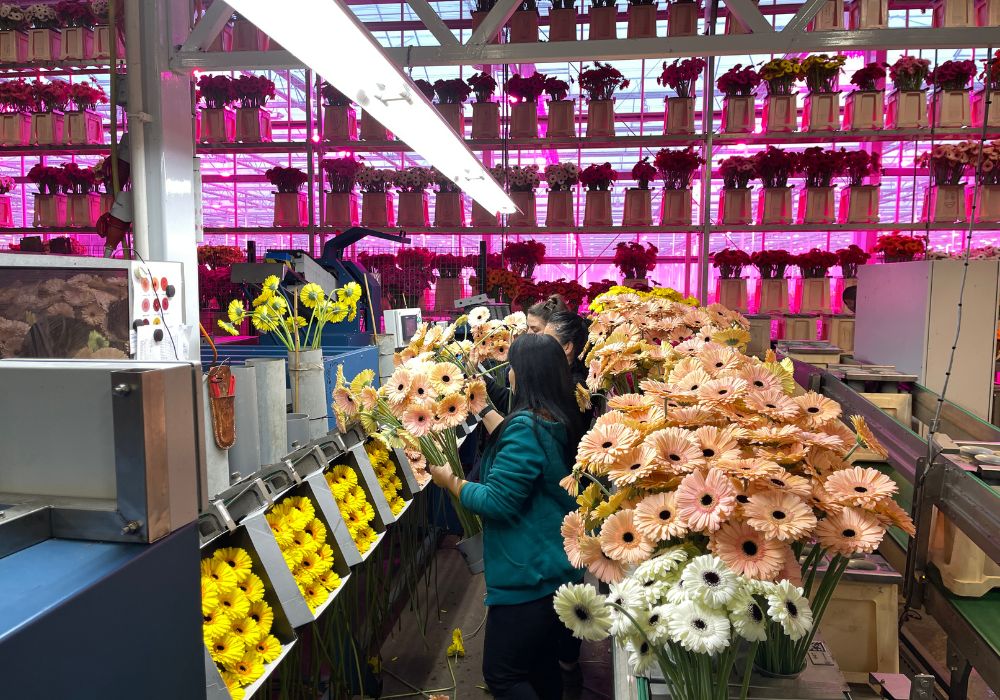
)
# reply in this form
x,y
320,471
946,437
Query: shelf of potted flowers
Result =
x,y
953,13
781,104
377,210
522,181
291,206
253,122
17,102
907,103
814,286
50,202
638,210
738,84
6,211
562,21
104,34
44,37
822,110
247,37
944,200
859,200
452,95
867,14
485,112
218,122
897,247
449,211
772,291
634,261
735,200
987,189
524,112
991,86
818,167
13,38
83,125
849,259
341,209
561,179
829,18
448,288
77,19
677,167
731,287
597,207
562,112
522,257
641,19
340,121
602,20
949,102
83,202
682,17
681,76
864,108
774,166
48,125
600,84
524,23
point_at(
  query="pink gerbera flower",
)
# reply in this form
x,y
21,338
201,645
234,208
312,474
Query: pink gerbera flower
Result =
x,y
746,551
779,516
604,445
418,419
600,564
621,541
705,500
656,517
850,531
673,449
859,486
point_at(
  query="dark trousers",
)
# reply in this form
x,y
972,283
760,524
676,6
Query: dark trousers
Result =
x,y
521,651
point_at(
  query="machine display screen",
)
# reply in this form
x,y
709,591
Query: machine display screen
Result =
x,y
408,326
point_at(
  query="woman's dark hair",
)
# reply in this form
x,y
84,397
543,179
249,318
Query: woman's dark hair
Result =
x,y
569,327
542,386
545,308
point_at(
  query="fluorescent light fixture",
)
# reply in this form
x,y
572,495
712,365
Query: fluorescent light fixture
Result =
x,y
326,36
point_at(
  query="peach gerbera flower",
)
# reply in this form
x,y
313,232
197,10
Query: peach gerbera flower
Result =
x,y
723,390
783,454
817,409
452,410
630,468
656,517
630,403
621,541
759,378
773,403
369,398
673,449
655,388
398,386
750,470
418,419
746,551
889,513
850,531
867,437
690,347
446,377
572,530
716,359
600,564
604,445
779,515
691,382
860,486
705,500
775,435
475,395
718,443
825,440
784,481
690,416
420,387
344,402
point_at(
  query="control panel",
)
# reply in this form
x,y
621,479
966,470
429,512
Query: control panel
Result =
x,y
155,291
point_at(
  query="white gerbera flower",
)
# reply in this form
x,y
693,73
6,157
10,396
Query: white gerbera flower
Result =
x,y
583,610
655,623
628,594
651,586
517,320
748,617
789,608
698,629
478,316
708,579
640,656
663,564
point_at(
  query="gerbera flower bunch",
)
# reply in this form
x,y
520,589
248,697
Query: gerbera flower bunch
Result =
x,y
522,178
730,263
425,87
897,247
952,75
738,81
483,84
822,71
634,260
218,91
989,169
948,162
12,18
524,256
602,81
286,180
681,75
816,263
453,91
774,166
236,620
556,88
737,172
253,91
781,74
818,166
991,72
500,284
643,173
355,509
374,179
51,96
689,614
598,178
562,176
414,179
385,471
677,166
342,173
908,73
301,536
870,77
333,97
525,89
86,95
850,258
491,338
858,165
771,264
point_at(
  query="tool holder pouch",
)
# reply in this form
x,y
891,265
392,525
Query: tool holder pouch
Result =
x,y
223,405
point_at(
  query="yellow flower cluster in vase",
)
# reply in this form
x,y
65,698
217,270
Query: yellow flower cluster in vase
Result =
x,y
358,513
388,479
301,536
237,620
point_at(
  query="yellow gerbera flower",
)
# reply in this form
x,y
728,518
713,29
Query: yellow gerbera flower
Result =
x,y
264,319
293,557
261,613
397,505
252,587
317,530
315,595
324,560
227,649
235,603
311,295
247,629
233,685
277,304
338,312
293,324
352,292
248,668
271,284
237,312
215,624
283,532
209,595
733,337
329,580
237,559
228,327
305,505
268,649
219,573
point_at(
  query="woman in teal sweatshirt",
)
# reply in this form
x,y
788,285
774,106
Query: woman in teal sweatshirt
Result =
x,y
522,508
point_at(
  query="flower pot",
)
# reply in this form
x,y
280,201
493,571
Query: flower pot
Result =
x,y
247,37
780,113
47,128
682,18
13,47
950,108
597,208
372,129
524,27
738,114
676,208
559,212
377,209
814,295
953,13
979,108
481,217
562,24
477,19
601,118
988,205
6,212
82,210
641,21
839,330
291,209
736,206
253,125
447,291
603,23
50,210
103,39
308,388
829,18
340,123
217,125
772,296
454,114
525,202
822,112
864,110
868,14
635,282
471,550
816,205
341,210
944,204
988,13
678,117
775,206
859,204
485,120
638,209
449,210
907,109
44,44
15,129
524,120
732,293
223,41
562,119
77,43
83,128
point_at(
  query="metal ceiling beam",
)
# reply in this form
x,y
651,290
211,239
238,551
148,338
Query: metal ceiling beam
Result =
x,y
804,15
491,24
748,14
208,27
432,20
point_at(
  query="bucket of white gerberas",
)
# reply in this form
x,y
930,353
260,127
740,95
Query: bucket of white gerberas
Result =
x,y
689,616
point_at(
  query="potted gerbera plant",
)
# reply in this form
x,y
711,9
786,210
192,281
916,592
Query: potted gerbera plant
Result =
x,y
6,211
987,204
735,203
50,202
17,102
634,261
78,21
48,124
13,38
562,112
449,211
641,19
44,37
83,202
602,20
950,106
341,210
781,105
822,110
451,95
291,207
104,33
731,287
865,107
681,76
522,181
859,201
83,124
814,287
253,122
485,112
896,247
677,168
561,179
600,84
991,86
524,112
340,121
772,293
414,204
562,21
738,85
944,201
377,208
774,166
218,122
598,179
907,102
818,166
638,209
524,23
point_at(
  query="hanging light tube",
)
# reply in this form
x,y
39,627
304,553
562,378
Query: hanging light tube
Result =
x,y
326,36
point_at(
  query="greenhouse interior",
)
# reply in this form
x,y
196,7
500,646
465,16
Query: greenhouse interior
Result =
x,y
667,329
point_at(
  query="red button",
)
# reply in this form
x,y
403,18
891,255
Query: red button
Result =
x,y
163,283
145,284
156,283
145,304
165,304
156,304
